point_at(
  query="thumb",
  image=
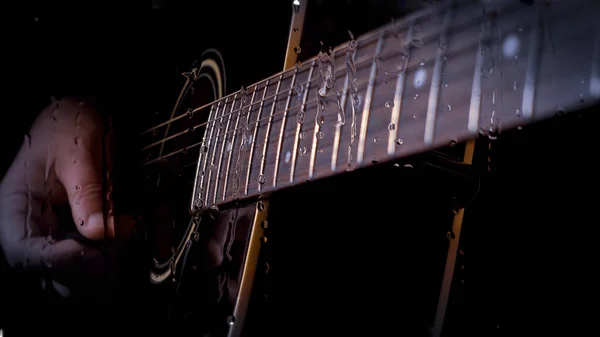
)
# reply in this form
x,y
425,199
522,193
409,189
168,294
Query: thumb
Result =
x,y
83,184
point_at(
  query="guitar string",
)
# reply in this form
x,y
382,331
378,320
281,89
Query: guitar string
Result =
x,y
172,153
366,61
193,128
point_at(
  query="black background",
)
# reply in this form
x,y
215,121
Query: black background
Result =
x,y
530,243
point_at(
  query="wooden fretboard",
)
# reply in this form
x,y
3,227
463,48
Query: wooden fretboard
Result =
x,y
443,74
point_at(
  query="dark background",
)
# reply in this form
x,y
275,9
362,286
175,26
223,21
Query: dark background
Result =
x,y
530,237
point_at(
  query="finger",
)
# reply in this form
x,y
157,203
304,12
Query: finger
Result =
x,y
79,169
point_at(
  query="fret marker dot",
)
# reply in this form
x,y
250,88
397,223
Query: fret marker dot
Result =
x,y
420,78
511,46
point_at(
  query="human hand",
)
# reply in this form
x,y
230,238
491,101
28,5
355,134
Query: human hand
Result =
x,y
59,163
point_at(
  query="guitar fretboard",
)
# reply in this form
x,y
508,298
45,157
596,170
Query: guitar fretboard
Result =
x,y
444,74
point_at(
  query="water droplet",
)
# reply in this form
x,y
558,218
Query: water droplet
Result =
x,y
231,320
229,146
288,156
320,135
77,188
518,113
298,89
302,151
302,135
392,127
204,149
444,58
399,141
76,140
321,151
408,166
449,107
259,156
155,132
422,63
416,96
418,43
581,98
414,116
74,161
202,173
445,85
417,27
261,179
300,117
77,118
396,165
297,50
515,83
322,120
190,113
376,140
28,140
441,45
219,125
389,104
81,222
582,81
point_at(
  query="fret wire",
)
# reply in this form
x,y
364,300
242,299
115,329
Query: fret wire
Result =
x,y
258,114
299,126
203,172
227,168
214,152
338,127
399,92
475,103
367,105
532,65
282,128
222,153
251,143
434,90
195,189
395,25
268,131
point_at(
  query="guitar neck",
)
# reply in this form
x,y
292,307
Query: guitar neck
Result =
x,y
444,74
